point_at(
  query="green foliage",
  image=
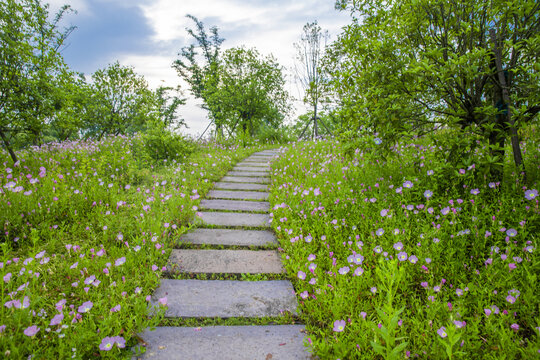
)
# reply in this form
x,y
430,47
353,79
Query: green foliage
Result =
x,y
416,66
203,76
406,267
30,68
249,91
160,143
121,102
94,237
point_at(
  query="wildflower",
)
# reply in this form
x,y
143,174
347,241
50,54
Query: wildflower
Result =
x,y
120,261
407,184
475,191
163,301
373,290
402,256
312,267
85,307
398,246
116,308
531,194
430,172
424,284
358,271
57,319
511,232
31,330
344,270
379,231
515,327
459,324
396,231
459,292
378,249
511,299
384,212
445,210
413,259
106,344
311,257
339,325
442,332
428,194
301,275
304,294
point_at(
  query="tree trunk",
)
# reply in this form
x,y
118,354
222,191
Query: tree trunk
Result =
x,y
518,159
8,146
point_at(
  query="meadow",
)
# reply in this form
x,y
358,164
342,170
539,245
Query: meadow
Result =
x,y
402,255
87,227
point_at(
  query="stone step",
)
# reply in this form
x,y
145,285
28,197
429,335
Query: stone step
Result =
x,y
252,169
276,342
225,298
229,237
246,179
248,173
264,165
225,262
239,186
234,219
243,195
234,205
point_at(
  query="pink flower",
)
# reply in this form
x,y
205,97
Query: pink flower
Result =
x,y
57,319
31,330
163,301
339,325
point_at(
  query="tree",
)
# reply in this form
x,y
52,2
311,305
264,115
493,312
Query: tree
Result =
x,y
249,92
308,71
30,63
201,74
415,65
121,102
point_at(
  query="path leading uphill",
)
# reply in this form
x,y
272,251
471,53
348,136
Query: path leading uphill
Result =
x,y
236,204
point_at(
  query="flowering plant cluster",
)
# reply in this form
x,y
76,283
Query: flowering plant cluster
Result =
x,y
87,228
388,262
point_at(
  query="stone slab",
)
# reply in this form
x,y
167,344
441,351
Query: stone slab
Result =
x,y
234,219
243,195
252,169
246,179
258,164
229,237
226,298
275,342
234,205
240,186
225,262
248,173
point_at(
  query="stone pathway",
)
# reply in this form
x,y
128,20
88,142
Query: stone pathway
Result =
x,y
237,203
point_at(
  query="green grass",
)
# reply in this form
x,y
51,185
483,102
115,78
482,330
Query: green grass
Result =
x,y
86,229
408,256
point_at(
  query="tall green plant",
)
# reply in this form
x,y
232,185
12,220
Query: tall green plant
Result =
x,y
30,63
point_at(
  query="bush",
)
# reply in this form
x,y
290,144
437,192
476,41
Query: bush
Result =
x,y
162,144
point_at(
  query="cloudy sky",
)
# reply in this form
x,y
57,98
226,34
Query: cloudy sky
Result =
x,y
148,34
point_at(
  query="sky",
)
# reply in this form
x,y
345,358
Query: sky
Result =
x,y
149,34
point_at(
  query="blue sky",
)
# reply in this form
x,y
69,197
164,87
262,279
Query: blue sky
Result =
x,y
148,34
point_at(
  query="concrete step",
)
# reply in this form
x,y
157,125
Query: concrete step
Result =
x,y
257,164
225,262
241,195
234,219
275,342
226,298
229,237
248,173
257,169
246,179
240,186
234,205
